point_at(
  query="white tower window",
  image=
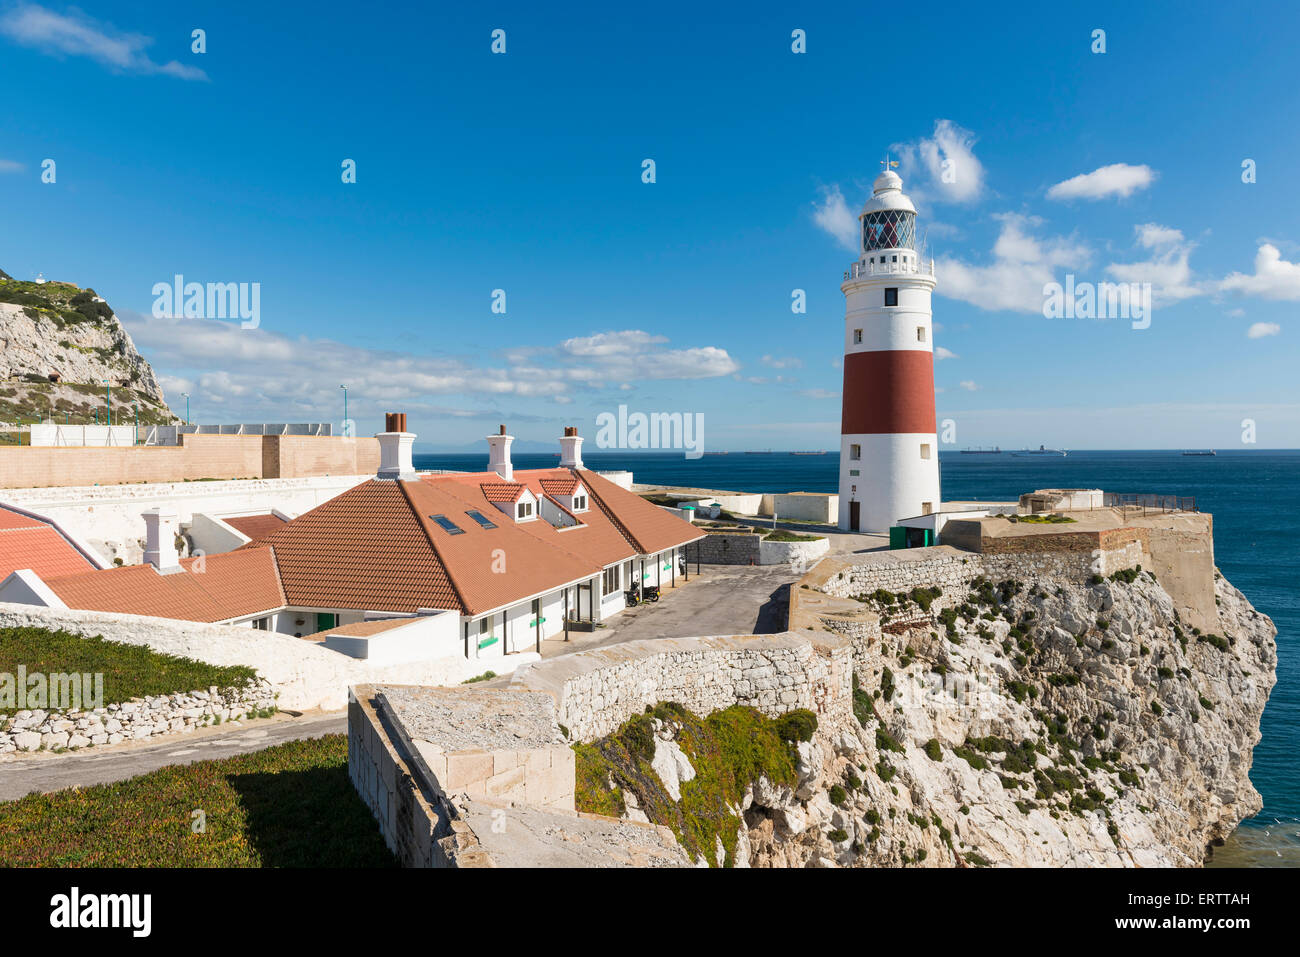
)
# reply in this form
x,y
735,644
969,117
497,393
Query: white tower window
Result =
x,y
855,452
891,296
925,450
857,336
920,333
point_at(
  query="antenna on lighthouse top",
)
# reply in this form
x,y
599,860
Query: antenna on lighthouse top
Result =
x,y
887,163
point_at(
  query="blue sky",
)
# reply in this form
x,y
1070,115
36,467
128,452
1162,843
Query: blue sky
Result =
x,y
523,172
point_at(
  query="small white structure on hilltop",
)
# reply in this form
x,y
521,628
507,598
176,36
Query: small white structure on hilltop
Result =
x,y
889,457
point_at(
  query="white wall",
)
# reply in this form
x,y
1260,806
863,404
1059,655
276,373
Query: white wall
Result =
x,y
211,535
893,480
809,508
51,433
108,516
428,637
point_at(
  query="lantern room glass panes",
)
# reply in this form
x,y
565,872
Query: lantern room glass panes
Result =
x,y
889,229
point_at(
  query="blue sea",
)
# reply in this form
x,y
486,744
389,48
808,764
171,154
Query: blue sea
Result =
x,y
1251,494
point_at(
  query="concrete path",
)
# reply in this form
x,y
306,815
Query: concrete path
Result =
x,y
54,772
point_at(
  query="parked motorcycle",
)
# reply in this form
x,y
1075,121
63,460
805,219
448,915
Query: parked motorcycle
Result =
x,y
633,596
651,593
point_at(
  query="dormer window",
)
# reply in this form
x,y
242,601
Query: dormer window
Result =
x,y
524,510
579,503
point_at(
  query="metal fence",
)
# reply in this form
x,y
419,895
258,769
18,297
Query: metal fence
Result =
x,y
1150,501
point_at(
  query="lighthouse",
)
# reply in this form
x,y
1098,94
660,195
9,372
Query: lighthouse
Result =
x,y
889,457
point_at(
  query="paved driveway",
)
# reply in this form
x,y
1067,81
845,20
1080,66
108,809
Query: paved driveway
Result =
x,y
722,600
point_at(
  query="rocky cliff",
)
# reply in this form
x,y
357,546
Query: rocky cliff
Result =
x,y
58,346
1047,721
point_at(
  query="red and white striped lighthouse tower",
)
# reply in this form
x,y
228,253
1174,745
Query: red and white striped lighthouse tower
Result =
x,y
889,457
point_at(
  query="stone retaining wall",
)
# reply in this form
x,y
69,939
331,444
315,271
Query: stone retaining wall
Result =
x,y
132,720
597,691
726,548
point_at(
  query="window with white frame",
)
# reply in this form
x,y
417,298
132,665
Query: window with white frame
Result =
x,y
579,503
610,583
524,510
925,450
855,452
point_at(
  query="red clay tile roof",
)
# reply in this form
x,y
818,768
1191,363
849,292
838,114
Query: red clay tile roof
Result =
x,y
559,484
254,526
364,549
26,542
214,588
376,546
502,491
647,526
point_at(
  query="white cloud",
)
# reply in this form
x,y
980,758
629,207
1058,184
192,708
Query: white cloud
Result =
x,y
968,385
75,34
1274,277
1167,270
1117,179
820,393
265,375
611,343
941,353
947,159
835,218
1259,330
10,166
783,362
1022,264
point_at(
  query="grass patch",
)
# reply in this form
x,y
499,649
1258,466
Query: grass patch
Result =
x,y
288,806
729,750
130,671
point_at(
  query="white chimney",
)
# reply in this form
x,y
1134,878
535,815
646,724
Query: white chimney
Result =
x,y
395,448
160,540
499,454
570,448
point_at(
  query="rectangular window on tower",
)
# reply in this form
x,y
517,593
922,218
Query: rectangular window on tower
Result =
x,y
855,452
920,333
925,450
891,296
857,337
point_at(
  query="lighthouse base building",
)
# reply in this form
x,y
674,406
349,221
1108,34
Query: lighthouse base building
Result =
x,y
889,456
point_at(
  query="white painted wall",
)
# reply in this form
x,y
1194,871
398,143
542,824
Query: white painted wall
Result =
x,y
426,638
211,535
808,508
893,481
108,518
51,434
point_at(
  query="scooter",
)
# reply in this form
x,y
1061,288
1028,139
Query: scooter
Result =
x,y
633,595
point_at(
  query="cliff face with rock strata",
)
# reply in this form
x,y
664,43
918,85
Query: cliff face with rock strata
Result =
x,y
1046,720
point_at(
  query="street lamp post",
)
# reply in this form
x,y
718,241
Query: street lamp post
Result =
x,y
187,407
345,409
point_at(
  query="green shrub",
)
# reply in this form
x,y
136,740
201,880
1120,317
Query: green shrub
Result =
x,y
797,725
933,751
838,795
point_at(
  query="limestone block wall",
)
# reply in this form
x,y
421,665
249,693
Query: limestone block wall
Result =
x,y
134,720
418,825
597,691
727,548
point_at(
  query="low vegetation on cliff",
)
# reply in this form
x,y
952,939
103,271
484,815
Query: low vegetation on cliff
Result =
x,y
728,751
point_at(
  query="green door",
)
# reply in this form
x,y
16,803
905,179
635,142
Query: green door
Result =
x,y
325,620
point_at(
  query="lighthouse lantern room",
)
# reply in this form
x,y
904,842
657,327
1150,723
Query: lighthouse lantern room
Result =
x,y
889,458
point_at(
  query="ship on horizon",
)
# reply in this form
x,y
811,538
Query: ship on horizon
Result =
x,y
1041,450
1205,452
980,450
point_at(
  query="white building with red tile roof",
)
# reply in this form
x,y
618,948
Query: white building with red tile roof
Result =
x,y
514,556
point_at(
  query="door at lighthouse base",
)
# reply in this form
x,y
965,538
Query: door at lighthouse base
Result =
x,y
854,516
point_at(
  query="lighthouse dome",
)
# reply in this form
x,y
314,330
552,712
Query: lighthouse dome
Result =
x,y
887,193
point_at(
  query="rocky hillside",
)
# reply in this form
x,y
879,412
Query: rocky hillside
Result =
x,y
58,344
1041,722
